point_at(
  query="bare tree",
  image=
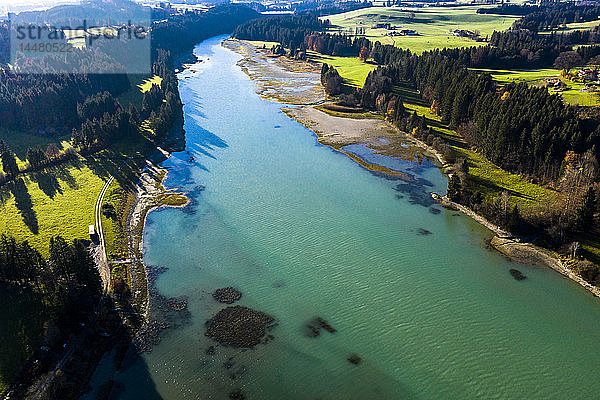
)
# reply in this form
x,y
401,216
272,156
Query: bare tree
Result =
x,y
567,60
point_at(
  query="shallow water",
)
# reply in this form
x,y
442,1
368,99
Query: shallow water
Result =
x,y
303,231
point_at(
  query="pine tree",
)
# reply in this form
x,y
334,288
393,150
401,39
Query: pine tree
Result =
x,y
454,188
9,162
586,211
514,220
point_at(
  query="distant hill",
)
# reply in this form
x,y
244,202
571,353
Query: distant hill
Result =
x,y
95,12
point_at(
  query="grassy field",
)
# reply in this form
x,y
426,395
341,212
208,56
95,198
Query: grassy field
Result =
x,y
432,23
60,200
352,69
115,235
57,201
575,26
486,177
573,94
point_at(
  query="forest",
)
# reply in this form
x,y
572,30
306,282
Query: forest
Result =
x,y
288,30
60,293
179,33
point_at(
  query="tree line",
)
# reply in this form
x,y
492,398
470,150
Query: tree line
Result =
x,y
521,128
554,16
288,30
545,17
179,33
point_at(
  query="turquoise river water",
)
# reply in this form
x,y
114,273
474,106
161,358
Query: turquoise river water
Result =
x,y
303,231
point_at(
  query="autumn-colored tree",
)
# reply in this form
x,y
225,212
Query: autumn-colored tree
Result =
x,y
364,53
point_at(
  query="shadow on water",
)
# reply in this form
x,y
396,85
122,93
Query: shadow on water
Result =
x,y
204,140
203,144
24,204
134,366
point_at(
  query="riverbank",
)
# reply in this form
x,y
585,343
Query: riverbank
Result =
x,y
383,138
279,78
376,134
150,194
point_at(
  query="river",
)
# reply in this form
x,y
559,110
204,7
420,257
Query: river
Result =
x,y
303,231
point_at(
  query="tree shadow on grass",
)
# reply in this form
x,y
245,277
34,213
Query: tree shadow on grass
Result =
x,y
4,194
101,166
24,204
62,172
47,182
499,189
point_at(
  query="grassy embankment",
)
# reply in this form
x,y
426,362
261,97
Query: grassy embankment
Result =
x,y
433,25
60,200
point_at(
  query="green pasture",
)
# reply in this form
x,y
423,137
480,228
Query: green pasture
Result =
x,y
432,23
352,69
575,93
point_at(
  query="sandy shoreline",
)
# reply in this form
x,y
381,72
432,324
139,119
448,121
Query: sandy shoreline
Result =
x,y
377,134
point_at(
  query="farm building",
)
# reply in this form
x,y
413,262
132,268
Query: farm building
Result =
x,y
386,25
463,33
588,74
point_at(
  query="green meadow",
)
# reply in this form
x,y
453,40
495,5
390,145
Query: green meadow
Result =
x,y
352,69
433,24
574,93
